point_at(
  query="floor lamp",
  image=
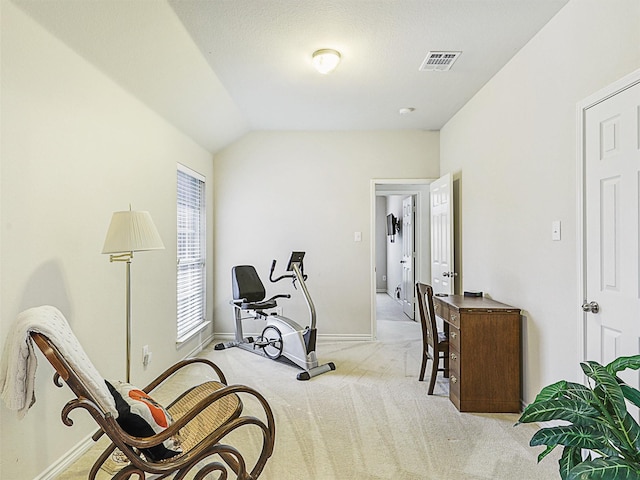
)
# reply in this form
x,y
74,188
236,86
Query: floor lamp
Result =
x,y
130,232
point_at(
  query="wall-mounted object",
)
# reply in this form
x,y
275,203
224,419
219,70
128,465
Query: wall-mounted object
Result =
x,y
393,227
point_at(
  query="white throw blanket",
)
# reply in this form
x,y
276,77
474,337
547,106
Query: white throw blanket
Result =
x,y
18,364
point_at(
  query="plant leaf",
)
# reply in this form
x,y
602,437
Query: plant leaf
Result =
x,y
578,391
547,451
555,390
571,456
592,437
611,468
631,431
631,394
625,430
623,363
575,411
563,389
607,389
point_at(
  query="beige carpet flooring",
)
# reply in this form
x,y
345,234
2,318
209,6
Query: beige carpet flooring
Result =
x,y
371,418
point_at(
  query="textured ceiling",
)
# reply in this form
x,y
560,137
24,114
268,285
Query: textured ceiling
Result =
x,y
218,68
261,51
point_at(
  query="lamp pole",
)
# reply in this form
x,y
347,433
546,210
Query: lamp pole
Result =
x,y
126,257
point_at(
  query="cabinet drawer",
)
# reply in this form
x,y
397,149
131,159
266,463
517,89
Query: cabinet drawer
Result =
x,y
455,360
454,387
454,337
454,317
441,310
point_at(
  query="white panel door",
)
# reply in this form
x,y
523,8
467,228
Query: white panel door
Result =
x,y
442,268
612,200
408,257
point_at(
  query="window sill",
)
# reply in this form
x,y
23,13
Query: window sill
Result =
x,y
191,333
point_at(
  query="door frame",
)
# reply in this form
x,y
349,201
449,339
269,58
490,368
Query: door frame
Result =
x,y
406,186
601,95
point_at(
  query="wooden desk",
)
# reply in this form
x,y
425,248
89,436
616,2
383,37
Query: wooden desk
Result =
x,y
484,353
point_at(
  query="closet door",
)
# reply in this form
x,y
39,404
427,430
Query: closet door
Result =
x,y
611,204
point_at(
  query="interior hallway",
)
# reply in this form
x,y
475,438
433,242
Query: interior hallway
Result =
x,y
393,324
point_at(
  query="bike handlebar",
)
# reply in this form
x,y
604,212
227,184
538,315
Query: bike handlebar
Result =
x,y
282,277
297,275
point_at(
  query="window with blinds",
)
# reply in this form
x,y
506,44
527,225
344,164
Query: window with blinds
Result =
x,y
191,288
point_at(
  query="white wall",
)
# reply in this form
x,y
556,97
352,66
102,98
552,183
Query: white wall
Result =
x,y
76,147
280,191
514,149
381,244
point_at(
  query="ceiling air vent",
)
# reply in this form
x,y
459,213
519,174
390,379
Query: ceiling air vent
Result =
x,y
439,61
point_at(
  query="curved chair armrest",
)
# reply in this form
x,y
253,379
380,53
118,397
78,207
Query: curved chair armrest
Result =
x,y
280,295
90,406
115,432
183,363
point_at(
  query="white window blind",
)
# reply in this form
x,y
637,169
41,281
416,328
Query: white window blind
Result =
x,y
191,276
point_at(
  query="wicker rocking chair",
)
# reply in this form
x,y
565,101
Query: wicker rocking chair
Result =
x,y
202,416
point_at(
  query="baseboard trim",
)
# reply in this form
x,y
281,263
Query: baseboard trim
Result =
x,y
64,462
198,348
323,338
347,337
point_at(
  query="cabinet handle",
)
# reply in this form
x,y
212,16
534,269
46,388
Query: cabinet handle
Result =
x,y
454,357
454,317
453,379
454,335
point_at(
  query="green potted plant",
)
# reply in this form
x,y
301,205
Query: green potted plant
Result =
x,y
601,438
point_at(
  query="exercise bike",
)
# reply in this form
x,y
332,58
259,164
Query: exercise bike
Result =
x,y
281,337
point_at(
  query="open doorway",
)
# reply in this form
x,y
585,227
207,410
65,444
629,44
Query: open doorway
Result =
x,y
400,254
392,324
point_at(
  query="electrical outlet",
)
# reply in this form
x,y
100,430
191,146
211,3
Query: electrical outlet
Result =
x,y
146,355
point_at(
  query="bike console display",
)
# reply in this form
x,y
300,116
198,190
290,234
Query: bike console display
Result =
x,y
296,257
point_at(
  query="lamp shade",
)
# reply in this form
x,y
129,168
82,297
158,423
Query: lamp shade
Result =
x,y
131,231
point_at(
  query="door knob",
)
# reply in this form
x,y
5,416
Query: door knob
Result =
x,y
592,307
449,274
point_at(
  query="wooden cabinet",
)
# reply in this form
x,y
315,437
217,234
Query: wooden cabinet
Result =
x,y
484,353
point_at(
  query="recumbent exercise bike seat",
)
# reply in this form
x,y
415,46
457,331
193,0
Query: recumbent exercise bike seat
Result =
x,y
248,290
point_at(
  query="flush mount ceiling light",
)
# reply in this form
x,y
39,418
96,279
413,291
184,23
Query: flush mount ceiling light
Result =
x,y
325,60
406,110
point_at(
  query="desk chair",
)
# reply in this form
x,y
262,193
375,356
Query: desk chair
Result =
x,y
431,338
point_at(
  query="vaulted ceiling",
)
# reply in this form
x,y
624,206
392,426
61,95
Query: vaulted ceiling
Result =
x,y
219,68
